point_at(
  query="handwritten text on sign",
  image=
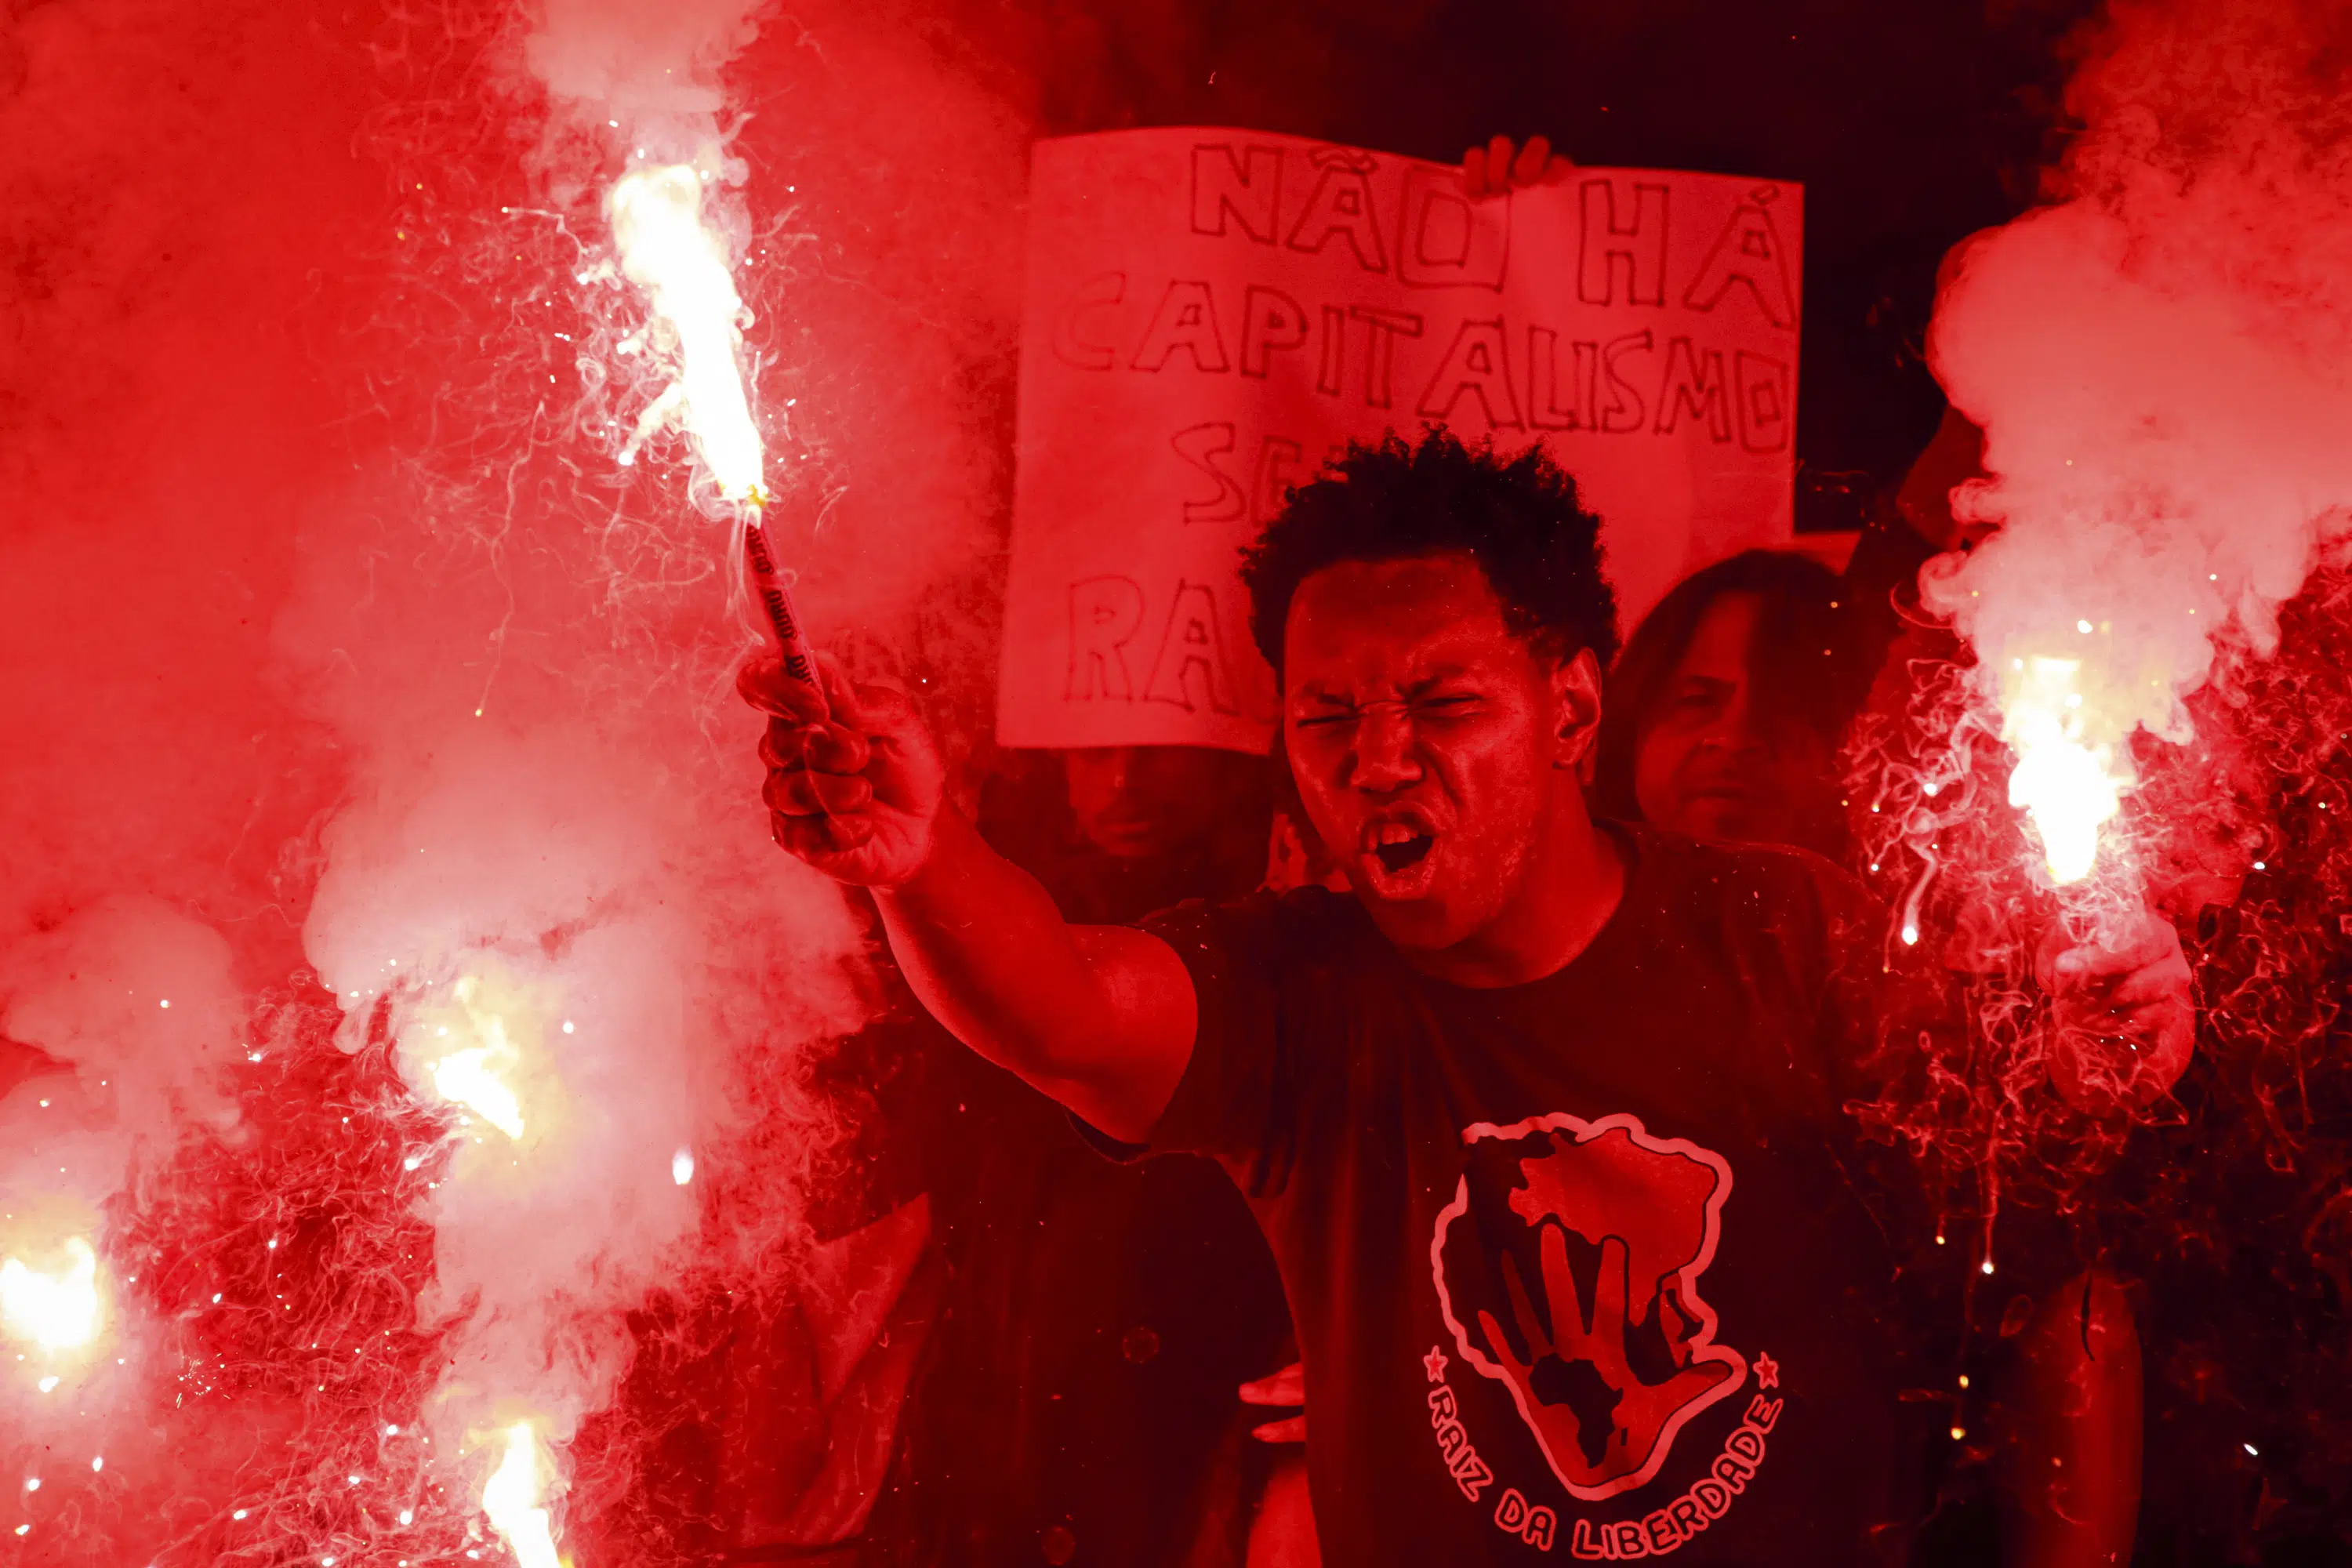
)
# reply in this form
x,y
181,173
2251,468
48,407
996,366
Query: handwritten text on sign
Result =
x,y
1210,313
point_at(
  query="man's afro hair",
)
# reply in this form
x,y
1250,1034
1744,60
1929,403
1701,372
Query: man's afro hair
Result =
x,y
1520,518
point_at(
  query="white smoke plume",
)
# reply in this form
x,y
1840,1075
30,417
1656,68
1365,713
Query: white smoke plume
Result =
x,y
2158,359
654,70
630,934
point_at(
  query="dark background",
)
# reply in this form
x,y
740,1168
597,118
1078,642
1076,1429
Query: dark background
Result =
x,y
1911,124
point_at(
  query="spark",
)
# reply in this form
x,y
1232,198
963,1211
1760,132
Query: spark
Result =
x,y
53,1312
512,1497
681,1166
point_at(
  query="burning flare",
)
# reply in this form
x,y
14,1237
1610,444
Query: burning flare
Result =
x,y
512,1497
476,1075
681,265
53,1312
668,251
2066,782
464,1078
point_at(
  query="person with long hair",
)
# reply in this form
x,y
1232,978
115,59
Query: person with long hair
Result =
x,y
1727,708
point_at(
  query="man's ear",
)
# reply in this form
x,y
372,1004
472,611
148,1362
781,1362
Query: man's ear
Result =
x,y
1576,705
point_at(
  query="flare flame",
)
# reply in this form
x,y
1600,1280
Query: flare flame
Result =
x,y
668,251
53,1312
469,1075
680,263
2064,779
514,1500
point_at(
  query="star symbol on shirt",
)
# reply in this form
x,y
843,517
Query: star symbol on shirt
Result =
x,y
1433,1363
1768,1373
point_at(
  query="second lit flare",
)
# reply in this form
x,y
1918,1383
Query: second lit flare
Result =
x,y
483,1042
2066,779
54,1309
515,1499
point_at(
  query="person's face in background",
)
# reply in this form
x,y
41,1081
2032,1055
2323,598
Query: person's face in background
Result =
x,y
1712,760
1138,803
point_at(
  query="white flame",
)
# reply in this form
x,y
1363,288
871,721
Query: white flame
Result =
x,y
469,1075
53,1312
513,1498
2066,782
681,265
466,1079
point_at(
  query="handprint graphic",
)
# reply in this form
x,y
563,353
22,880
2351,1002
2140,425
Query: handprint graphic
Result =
x,y
1573,1278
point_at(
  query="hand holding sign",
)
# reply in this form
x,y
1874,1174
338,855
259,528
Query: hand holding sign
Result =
x,y
1494,170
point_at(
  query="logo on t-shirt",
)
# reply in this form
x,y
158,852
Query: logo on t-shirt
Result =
x,y
1568,1268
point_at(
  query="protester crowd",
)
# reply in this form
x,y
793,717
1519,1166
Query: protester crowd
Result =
x,y
1109,1372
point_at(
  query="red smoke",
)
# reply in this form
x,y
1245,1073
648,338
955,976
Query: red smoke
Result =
x,y
314,555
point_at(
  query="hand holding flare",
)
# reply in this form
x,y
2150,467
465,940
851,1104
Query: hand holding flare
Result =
x,y
2123,1014
853,784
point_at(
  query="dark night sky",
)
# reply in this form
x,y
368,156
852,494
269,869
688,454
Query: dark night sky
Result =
x,y
1910,122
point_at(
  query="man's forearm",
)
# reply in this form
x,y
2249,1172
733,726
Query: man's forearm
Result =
x,y
1099,1017
986,949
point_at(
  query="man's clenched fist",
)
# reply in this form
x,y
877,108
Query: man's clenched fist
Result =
x,y
854,782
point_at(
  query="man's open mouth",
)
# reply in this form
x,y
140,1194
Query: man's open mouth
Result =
x,y
1395,853
1398,845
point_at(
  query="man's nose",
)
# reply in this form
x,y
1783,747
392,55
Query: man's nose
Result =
x,y
1120,769
1740,729
1385,757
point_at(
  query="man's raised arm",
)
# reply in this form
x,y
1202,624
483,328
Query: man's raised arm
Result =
x,y
1100,1018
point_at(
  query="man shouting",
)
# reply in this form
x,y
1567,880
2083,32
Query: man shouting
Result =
x,y
1543,1120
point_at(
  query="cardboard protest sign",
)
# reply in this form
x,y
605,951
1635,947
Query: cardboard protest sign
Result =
x,y
1210,313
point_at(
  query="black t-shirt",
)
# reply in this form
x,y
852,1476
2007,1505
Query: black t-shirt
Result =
x,y
1579,1268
